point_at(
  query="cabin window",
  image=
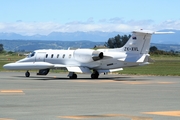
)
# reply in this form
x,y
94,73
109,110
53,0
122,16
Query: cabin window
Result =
x,y
52,56
57,55
63,56
69,55
46,55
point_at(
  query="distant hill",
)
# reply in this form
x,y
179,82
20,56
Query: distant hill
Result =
x,y
59,40
63,36
31,45
94,36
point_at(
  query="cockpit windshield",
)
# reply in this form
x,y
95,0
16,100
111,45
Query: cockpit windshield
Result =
x,y
31,54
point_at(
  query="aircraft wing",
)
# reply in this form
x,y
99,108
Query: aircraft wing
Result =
x,y
28,65
110,70
70,68
79,69
59,65
87,70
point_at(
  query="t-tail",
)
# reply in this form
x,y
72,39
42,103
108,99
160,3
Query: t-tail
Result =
x,y
140,41
137,47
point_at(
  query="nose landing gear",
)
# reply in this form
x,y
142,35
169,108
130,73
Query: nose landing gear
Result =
x,y
27,74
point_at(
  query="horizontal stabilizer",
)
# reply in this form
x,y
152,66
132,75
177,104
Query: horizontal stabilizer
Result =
x,y
143,31
151,32
164,32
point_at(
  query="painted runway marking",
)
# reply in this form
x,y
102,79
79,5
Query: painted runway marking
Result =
x,y
79,117
165,82
165,113
11,92
6,119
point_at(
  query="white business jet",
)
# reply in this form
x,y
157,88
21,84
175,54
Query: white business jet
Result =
x,y
133,53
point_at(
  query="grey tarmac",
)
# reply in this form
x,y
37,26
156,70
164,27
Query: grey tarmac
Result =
x,y
111,97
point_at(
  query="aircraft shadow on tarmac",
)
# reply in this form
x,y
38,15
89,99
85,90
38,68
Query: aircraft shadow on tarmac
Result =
x,y
115,78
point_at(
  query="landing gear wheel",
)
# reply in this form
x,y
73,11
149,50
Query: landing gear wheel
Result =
x,y
95,75
27,74
73,76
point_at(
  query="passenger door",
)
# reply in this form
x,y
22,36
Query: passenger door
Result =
x,y
40,57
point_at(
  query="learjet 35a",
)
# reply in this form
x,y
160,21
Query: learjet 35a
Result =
x,y
133,53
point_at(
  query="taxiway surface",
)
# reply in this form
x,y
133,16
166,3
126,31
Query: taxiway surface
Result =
x,y
111,97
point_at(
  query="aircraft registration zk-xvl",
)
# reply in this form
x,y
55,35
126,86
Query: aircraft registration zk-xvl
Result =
x,y
133,53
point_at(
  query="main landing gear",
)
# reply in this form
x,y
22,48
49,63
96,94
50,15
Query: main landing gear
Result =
x,y
72,75
95,74
27,74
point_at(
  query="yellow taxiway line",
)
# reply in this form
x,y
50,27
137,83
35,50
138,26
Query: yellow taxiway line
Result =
x,y
6,119
11,91
165,113
80,117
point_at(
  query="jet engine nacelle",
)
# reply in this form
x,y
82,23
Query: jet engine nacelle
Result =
x,y
87,55
43,72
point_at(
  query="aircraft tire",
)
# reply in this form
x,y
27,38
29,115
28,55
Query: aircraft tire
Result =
x,y
94,76
27,74
74,76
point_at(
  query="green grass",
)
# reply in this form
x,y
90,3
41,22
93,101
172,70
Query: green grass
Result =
x,y
164,65
8,59
159,67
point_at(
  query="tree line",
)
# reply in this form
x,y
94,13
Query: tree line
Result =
x,y
1,48
117,41
154,50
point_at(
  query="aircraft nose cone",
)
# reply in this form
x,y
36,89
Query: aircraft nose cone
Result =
x,y
5,66
8,66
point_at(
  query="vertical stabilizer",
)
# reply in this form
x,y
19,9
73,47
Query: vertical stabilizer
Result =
x,y
139,42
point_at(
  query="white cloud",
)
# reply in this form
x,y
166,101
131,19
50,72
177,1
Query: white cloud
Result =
x,y
170,24
114,24
29,28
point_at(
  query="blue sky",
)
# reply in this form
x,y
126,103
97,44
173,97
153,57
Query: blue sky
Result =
x,y
28,17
